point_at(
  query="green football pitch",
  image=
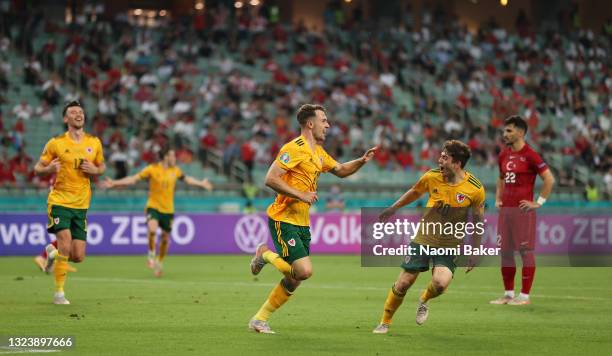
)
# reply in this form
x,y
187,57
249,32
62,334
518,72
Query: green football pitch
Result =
x,y
203,303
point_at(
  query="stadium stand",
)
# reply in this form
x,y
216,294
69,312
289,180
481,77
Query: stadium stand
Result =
x,y
226,98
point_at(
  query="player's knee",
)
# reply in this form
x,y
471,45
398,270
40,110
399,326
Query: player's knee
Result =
x,y
402,285
290,284
438,285
165,238
77,258
303,274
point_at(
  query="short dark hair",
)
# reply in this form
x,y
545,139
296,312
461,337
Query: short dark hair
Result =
x,y
517,121
163,152
71,104
307,111
458,151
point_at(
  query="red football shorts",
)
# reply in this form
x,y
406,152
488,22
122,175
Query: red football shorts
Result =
x,y
516,230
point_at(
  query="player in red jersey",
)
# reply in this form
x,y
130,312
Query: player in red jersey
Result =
x,y
519,165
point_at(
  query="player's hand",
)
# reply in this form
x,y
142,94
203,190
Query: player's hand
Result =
x,y
309,197
107,183
498,204
527,205
54,166
369,154
204,183
471,263
386,214
89,167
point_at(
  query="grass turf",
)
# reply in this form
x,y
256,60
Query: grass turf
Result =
x,y
203,303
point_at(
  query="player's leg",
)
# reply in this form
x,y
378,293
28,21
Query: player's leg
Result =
x,y
163,251
280,294
60,271
60,223
442,275
281,234
441,278
78,231
40,262
526,249
506,243
47,257
293,243
412,266
528,274
44,261
49,254
395,297
152,226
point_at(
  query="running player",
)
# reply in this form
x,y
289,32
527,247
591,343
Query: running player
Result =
x,y
294,175
162,178
518,166
453,192
74,157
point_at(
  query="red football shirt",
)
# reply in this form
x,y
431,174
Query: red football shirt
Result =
x,y
519,171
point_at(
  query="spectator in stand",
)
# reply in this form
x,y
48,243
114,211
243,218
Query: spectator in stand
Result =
x,y
44,112
591,192
335,201
383,157
20,164
404,158
119,159
23,110
608,183
7,178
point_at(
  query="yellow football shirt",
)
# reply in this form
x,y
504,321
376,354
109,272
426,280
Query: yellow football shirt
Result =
x,y
72,188
447,203
161,186
304,166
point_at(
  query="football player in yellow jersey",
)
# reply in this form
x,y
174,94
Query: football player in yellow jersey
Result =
x,y
74,157
453,193
294,175
162,178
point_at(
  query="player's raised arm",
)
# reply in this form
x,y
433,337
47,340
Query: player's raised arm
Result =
x,y
123,182
274,180
204,183
411,195
346,169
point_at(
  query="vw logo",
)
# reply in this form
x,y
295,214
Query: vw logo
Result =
x,y
250,231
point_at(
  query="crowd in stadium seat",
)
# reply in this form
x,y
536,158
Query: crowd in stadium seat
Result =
x,y
205,88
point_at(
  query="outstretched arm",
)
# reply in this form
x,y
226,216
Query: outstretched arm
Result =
x,y
204,183
346,169
123,182
407,198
